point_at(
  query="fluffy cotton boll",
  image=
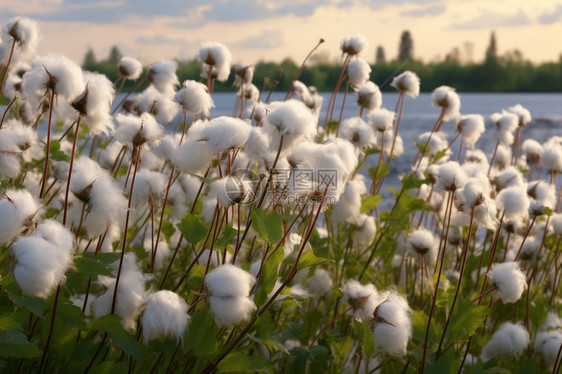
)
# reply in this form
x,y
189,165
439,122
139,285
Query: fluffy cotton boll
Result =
x,y
216,258
130,68
358,71
503,157
398,144
55,72
421,241
556,222
366,230
94,103
228,191
165,314
514,201
243,75
231,310
250,92
84,173
163,76
194,98
347,209
543,195
408,83
17,209
41,259
301,91
107,206
510,340
320,284
510,177
22,31
509,279
354,45
193,156
168,145
159,104
362,298
436,142
522,113
16,137
131,294
530,249
369,96
224,133
552,157
471,127
10,166
382,119
505,122
393,326
358,132
532,149
229,281
476,156
137,130
218,57
446,98
547,344
451,177
257,146
148,185
292,120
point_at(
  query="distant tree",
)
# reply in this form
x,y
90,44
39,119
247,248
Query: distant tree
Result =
x,y
380,57
468,49
114,55
454,55
89,60
492,50
406,47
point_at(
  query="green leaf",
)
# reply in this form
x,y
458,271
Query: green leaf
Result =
x,y
91,265
331,126
268,225
34,304
269,275
370,202
366,337
309,259
56,153
13,342
168,229
466,318
201,334
111,324
228,233
239,362
192,228
71,314
409,182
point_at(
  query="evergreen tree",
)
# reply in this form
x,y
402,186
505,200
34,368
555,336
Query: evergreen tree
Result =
x,y
492,51
114,55
406,47
89,60
380,57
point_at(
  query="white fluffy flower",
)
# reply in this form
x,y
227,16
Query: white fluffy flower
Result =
x,y
509,279
547,344
22,31
163,76
193,156
446,98
292,120
471,127
158,104
95,103
194,98
165,314
320,284
369,96
451,176
41,259
408,82
357,132
522,114
224,133
347,209
358,71
19,208
131,294
218,57
510,340
514,201
382,119
354,45
361,297
393,325
229,288
130,68
366,230
137,130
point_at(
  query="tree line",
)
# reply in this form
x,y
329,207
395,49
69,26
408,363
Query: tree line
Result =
x,y
509,72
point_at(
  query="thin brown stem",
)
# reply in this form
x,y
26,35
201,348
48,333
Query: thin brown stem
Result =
x,y
7,110
47,151
330,323
70,170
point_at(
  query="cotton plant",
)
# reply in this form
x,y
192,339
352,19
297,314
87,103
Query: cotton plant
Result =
x,y
156,228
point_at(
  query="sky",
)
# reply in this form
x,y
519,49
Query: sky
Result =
x,y
271,30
